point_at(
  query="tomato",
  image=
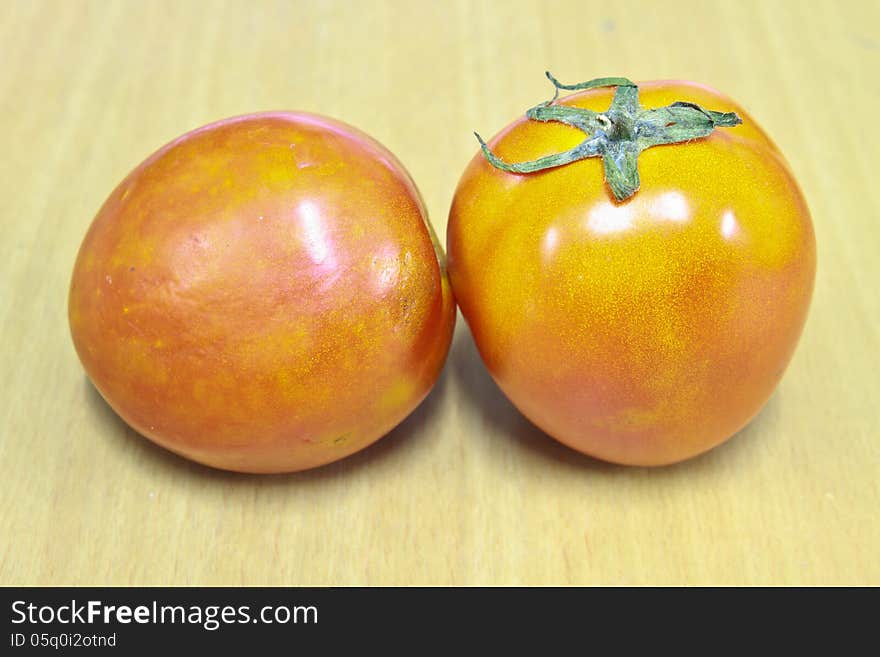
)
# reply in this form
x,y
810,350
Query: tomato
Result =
x,y
645,330
263,294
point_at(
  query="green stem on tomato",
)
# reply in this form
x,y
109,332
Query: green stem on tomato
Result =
x,y
619,134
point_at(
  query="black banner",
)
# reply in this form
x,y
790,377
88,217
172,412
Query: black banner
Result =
x,y
135,619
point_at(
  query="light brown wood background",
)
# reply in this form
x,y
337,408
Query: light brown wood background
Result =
x,y
465,491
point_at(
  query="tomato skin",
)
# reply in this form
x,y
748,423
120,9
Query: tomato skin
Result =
x,y
640,332
263,294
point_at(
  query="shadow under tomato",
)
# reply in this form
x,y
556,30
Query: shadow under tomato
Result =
x,y
488,402
403,435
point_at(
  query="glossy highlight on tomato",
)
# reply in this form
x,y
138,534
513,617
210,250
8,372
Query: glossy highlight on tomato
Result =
x,y
643,331
263,294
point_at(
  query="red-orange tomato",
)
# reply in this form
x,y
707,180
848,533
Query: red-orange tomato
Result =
x,y
263,294
643,332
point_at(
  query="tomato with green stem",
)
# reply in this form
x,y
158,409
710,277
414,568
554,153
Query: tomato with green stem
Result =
x,y
635,269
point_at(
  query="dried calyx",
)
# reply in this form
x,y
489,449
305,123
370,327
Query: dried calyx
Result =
x,y
619,134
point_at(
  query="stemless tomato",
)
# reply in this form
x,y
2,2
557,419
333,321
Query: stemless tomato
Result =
x,y
642,331
263,294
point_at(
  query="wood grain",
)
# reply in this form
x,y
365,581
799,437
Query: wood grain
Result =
x,y
465,491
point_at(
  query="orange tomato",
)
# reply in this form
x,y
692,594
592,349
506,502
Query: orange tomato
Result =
x,y
263,294
644,331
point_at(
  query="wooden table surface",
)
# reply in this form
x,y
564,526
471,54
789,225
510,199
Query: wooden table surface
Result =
x,y
465,491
